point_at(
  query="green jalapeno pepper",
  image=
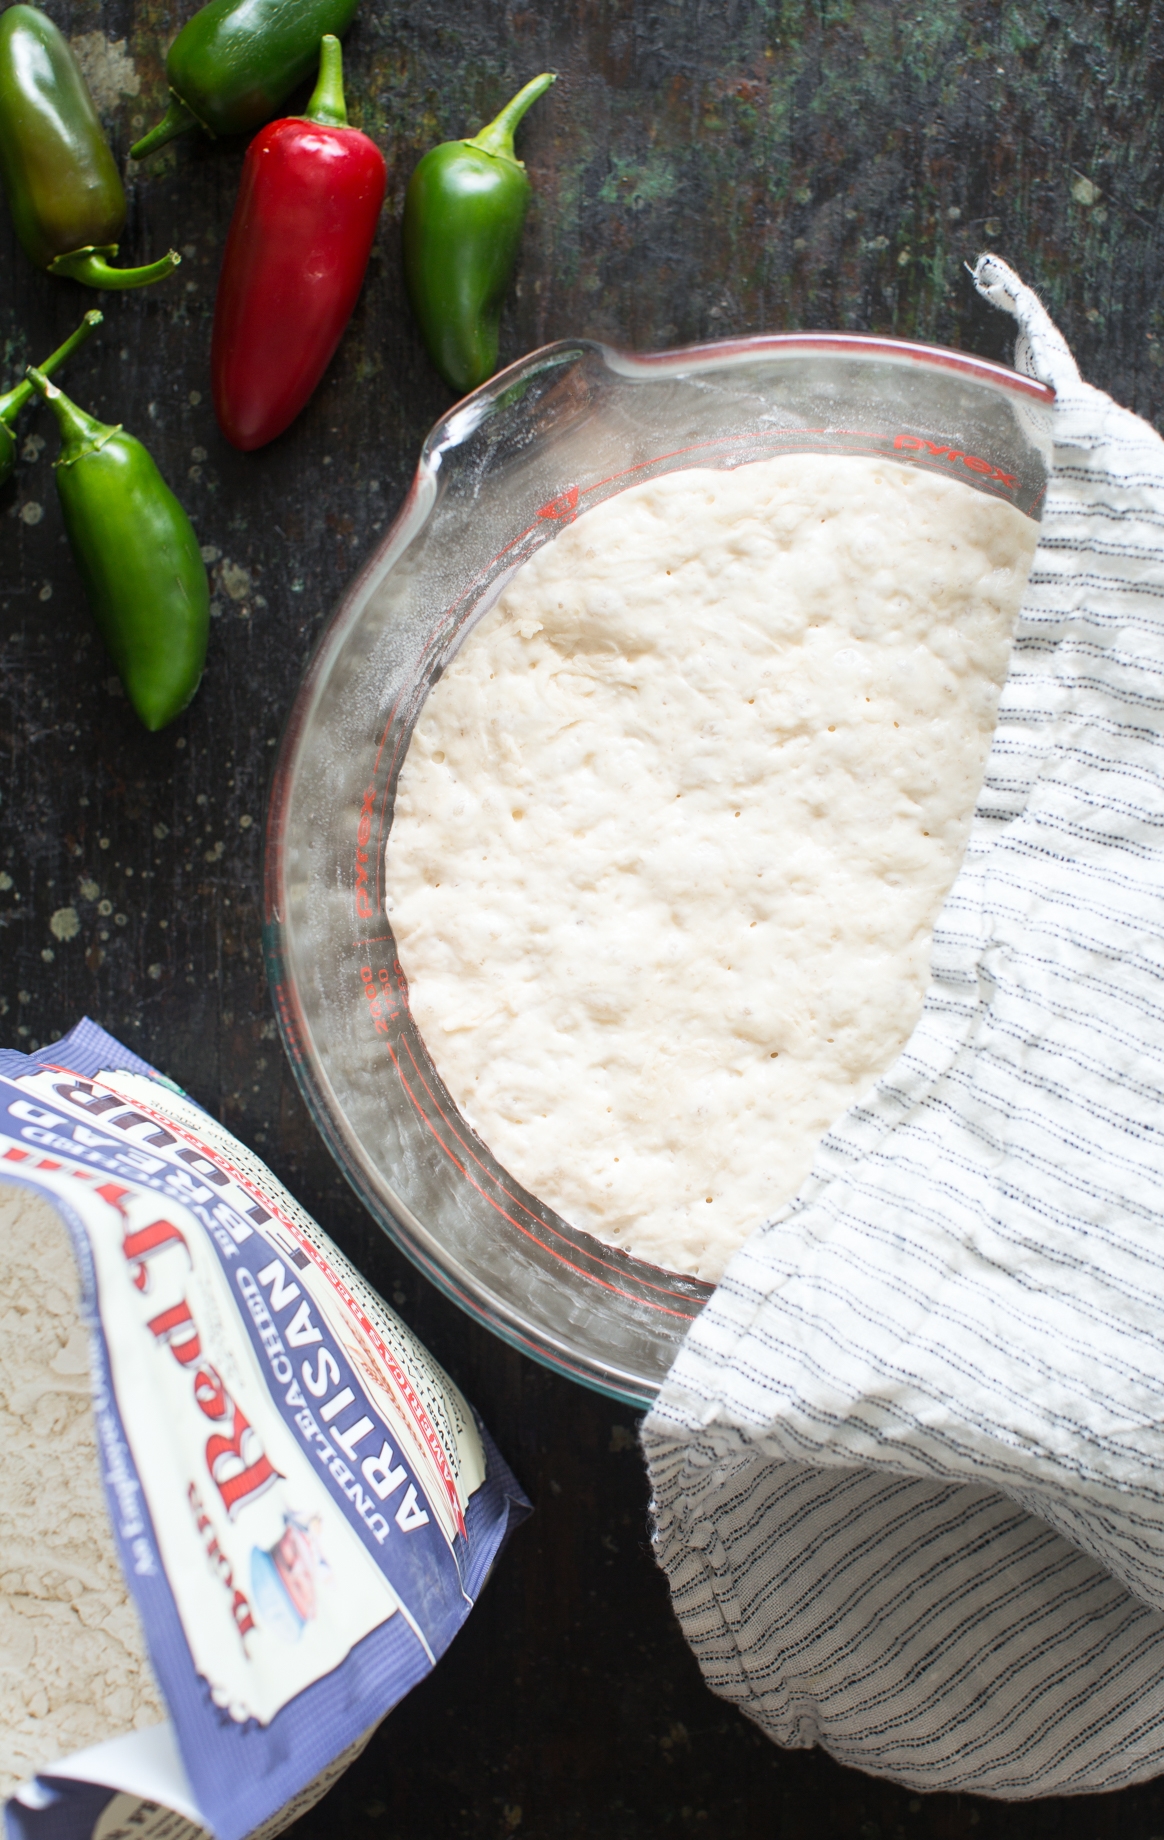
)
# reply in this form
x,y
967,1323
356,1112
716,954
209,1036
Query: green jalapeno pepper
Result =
x,y
463,212
232,64
64,190
138,557
13,401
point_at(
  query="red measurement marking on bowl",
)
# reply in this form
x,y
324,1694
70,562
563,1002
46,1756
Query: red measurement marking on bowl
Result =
x,y
363,901
383,1002
564,508
944,452
286,1011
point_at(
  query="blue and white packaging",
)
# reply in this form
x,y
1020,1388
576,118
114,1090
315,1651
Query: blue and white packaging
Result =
x,y
304,1506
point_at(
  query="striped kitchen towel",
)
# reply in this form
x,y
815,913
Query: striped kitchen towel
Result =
x,y
908,1467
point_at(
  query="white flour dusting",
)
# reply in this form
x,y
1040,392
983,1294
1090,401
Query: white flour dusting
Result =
x,y
73,1667
676,823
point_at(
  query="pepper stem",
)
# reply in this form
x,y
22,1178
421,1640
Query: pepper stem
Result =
x,y
178,119
80,433
13,401
497,138
327,104
91,267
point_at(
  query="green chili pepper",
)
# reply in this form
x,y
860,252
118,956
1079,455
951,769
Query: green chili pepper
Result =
x,y
13,401
138,557
232,64
463,212
64,190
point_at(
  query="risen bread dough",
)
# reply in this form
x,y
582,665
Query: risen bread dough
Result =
x,y
677,820
73,1666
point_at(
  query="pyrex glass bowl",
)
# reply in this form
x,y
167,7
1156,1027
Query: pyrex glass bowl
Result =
x,y
499,476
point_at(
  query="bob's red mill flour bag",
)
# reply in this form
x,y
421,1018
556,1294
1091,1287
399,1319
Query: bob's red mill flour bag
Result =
x,y
243,1510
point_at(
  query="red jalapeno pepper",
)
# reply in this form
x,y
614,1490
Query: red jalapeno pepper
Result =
x,y
295,257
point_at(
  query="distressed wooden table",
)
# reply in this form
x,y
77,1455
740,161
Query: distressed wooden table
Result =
x,y
699,170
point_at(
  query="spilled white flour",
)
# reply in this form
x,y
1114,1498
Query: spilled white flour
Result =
x,y
676,823
73,1666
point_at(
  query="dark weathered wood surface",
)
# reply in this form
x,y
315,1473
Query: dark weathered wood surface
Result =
x,y
700,169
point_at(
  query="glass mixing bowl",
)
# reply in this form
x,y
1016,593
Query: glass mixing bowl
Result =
x,y
500,475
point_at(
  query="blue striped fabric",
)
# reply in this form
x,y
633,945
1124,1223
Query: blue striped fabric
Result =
x,y
908,1467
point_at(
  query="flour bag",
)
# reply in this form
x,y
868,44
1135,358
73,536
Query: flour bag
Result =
x,y
244,1511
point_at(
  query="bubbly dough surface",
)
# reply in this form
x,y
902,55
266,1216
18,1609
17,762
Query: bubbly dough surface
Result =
x,y
677,820
73,1666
